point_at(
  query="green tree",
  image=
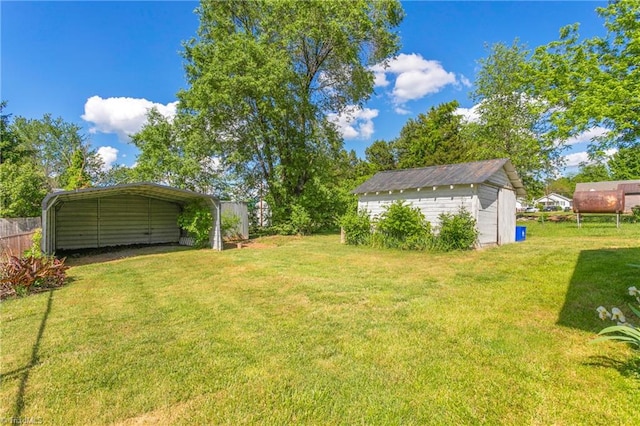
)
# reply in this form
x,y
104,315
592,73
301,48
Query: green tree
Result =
x,y
432,139
22,188
595,172
381,156
52,145
625,164
594,82
511,124
263,75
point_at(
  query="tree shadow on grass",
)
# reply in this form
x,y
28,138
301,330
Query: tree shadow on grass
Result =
x,y
600,278
24,372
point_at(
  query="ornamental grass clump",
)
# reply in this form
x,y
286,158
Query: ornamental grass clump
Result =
x,y
624,331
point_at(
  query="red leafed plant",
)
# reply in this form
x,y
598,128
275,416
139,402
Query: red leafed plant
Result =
x,y
21,275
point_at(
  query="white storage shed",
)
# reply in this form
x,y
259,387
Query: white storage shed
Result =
x,y
487,189
140,213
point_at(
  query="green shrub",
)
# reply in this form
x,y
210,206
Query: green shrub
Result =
x,y
403,227
197,220
300,220
35,250
357,228
457,231
28,274
635,210
230,226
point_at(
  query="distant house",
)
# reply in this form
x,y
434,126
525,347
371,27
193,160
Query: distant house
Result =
x,y
487,189
630,189
554,199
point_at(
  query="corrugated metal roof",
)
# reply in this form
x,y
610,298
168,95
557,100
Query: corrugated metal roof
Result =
x,y
603,186
630,188
451,174
152,190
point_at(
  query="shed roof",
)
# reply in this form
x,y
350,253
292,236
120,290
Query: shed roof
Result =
x,y
605,186
451,174
147,189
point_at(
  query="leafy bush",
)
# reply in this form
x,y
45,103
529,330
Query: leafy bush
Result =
x,y
357,228
29,274
230,224
197,220
457,231
35,250
635,210
402,226
300,221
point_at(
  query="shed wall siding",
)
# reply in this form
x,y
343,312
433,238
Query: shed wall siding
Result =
x,y
76,225
631,200
240,210
431,203
488,215
116,220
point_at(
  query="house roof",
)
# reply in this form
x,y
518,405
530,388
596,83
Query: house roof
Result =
x,y
451,174
551,196
146,189
627,185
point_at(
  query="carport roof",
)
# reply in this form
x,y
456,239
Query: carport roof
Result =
x,y
146,189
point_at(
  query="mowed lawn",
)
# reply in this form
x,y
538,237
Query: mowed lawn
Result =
x,y
309,331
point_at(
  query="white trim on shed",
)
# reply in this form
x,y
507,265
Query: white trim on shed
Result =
x,y
140,213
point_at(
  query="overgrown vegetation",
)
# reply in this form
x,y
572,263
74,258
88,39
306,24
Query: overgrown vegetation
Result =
x,y
357,227
457,231
404,227
196,219
230,226
32,272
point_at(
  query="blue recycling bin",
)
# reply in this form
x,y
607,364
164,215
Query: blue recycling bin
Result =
x,y
521,233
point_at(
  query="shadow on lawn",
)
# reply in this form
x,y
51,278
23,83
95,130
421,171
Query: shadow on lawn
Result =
x,y
108,254
600,278
24,371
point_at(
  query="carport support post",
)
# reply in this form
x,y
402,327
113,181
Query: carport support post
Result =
x,y
578,217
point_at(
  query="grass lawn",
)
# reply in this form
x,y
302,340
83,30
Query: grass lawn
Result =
x,y
308,331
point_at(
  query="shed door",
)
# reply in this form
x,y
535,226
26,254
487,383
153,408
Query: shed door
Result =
x,y
506,216
488,215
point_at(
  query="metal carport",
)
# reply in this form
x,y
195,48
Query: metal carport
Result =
x,y
139,213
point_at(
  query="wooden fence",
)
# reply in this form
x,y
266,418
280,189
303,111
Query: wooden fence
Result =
x,y
15,244
18,225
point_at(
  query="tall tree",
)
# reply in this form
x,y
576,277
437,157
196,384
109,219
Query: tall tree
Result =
x,y
431,139
381,156
511,123
625,164
263,75
52,144
595,82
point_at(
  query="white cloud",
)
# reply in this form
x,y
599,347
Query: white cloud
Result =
x,y
465,81
574,159
415,77
109,156
402,111
470,115
123,116
587,136
355,122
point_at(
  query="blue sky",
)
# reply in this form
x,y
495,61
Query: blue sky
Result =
x,y
101,65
